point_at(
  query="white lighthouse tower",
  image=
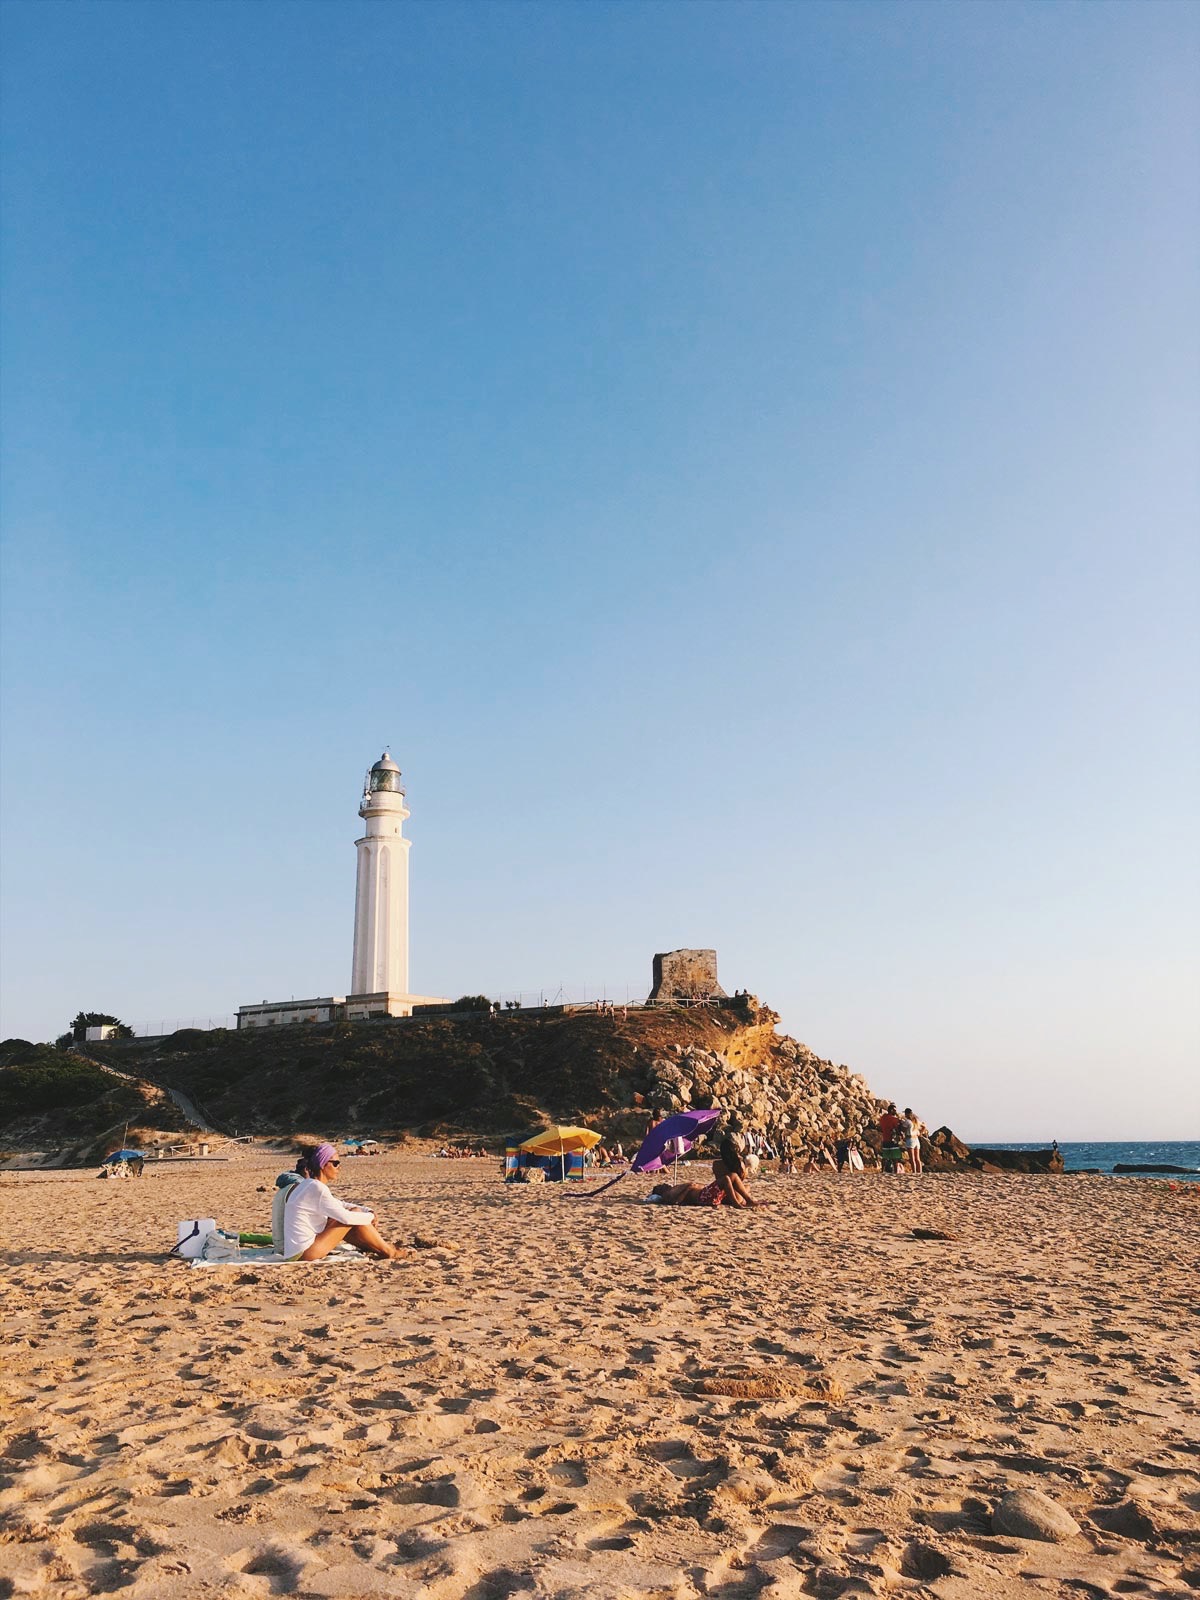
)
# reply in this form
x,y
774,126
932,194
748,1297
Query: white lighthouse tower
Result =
x,y
381,895
379,980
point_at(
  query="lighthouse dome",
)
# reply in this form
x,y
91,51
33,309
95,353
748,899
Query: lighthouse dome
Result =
x,y
385,775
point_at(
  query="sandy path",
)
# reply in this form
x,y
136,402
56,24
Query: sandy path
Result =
x,y
519,1414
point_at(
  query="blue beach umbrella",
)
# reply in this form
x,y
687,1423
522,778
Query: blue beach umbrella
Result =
x,y
124,1155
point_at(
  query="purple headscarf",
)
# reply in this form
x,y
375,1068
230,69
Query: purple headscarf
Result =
x,y
311,1165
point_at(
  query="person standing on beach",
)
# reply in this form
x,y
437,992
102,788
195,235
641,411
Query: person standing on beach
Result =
x,y
889,1122
910,1137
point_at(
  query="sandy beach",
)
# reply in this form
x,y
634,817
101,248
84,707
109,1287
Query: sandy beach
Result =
x,y
534,1406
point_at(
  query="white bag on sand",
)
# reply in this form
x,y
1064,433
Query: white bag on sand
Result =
x,y
221,1246
191,1236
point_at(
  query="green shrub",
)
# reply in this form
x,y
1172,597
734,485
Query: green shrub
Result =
x,y
13,1052
49,1083
185,1039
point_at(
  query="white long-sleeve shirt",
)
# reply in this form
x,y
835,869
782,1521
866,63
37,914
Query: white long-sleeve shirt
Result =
x,y
310,1205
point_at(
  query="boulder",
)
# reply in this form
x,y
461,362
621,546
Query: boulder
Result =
x,y
1017,1160
944,1140
1130,1520
1029,1514
747,1485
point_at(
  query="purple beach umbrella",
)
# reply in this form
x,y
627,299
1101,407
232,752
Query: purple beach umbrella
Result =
x,y
671,1139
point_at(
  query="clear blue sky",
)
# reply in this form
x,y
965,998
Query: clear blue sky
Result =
x,y
742,458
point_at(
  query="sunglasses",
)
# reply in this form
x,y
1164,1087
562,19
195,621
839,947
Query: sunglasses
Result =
x,y
333,1163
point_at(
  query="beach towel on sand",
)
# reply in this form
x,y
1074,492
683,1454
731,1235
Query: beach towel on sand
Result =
x,y
253,1256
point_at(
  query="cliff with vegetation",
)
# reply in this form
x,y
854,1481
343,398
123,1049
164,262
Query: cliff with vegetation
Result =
x,y
469,1075
62,1100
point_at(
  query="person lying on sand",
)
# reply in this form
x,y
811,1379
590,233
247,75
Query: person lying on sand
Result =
x,y
314,1220
723,1188
687,1194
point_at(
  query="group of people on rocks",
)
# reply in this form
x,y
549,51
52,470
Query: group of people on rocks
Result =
x,y
459,1152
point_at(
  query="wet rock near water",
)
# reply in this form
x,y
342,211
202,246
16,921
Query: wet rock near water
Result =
x,y
1015,1160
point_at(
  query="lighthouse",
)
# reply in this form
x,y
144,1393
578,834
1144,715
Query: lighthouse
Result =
x,y
381,893
379,974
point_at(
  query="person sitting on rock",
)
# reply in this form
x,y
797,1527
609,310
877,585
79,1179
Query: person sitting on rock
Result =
x,y
314,1220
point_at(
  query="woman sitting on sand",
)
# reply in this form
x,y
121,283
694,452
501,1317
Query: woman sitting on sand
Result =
x,y
734,1187
729,1170
314,1220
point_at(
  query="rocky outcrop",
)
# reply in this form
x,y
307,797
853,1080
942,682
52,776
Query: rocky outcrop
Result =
x,y
781,1088
485,1074
1149,1166
942,1152
1015,1160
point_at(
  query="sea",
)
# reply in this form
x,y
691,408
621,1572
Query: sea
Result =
x,y
1078,1157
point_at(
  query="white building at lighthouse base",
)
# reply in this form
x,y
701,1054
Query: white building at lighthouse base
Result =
x,y
334,1008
